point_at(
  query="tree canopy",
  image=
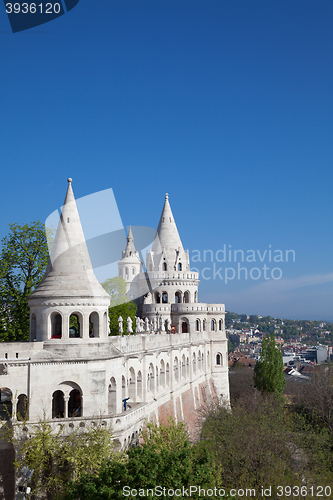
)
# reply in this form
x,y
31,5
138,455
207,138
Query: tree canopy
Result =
x,y
268,373
167,460
116,288
58,457
23,260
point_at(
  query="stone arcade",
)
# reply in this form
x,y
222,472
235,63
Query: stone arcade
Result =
x,y
73,380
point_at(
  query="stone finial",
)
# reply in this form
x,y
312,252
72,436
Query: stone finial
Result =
x,y
69,180
166,196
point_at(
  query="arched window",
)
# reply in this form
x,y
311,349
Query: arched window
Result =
x,y
187,297
184,326
164,298
22,407
197,325
6,405
151,377
132,385
204,325
112,397
75,325
213,325
133,270
94,324
123,387
175,369
195,297
126,272
220,324
162,373
165,267
56,326
156,378
183,367
178,297
139,385
167,374
157,298
179,266
75,404
58,405
218,359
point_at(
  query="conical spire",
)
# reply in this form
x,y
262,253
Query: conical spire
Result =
x,y
130,248
167,243
69,272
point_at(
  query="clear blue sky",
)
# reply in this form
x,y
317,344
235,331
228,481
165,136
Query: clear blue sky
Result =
x,y
224,104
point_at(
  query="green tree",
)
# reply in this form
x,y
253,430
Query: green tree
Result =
x,y
124,310
120,304
57,457
23,260
166,459
251,445
116,288
268,373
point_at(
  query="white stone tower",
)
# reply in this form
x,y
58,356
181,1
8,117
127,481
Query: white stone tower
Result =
x,y
130,264
69,287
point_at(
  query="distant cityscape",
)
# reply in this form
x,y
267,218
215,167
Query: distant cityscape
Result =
x,y
304,344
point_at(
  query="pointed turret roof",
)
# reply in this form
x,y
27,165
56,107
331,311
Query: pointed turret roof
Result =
x,y
167,242
130,248
69,272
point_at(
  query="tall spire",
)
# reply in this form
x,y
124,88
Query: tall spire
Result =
x,y
130,248
167,242
69,272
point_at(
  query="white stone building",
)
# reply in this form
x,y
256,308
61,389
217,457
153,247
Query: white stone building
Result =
x,y
77,374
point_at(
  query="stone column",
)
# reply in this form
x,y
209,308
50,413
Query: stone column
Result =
x,y
66,400
85,326
65,326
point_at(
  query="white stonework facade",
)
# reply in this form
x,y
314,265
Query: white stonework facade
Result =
x,y
74,374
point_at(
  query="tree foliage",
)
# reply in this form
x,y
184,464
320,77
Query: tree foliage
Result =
x,y
58,458
116,288
23,260
250,445
166,459
268,373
